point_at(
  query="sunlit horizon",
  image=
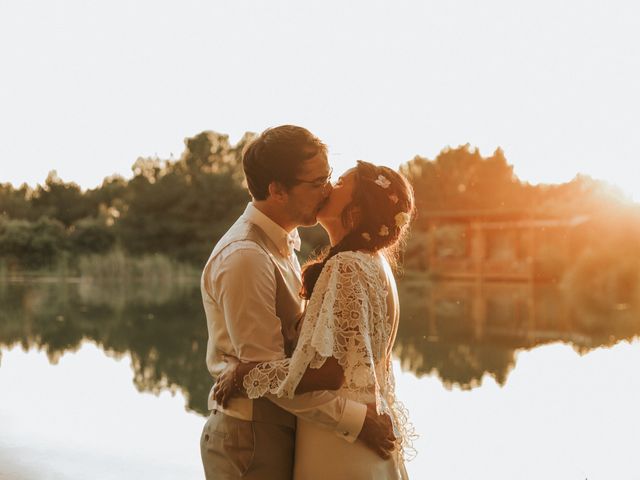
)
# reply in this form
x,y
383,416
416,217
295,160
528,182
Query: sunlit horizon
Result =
x,y
88,88
626,189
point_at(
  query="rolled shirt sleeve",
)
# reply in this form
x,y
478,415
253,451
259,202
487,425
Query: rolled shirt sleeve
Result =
x,y
345,417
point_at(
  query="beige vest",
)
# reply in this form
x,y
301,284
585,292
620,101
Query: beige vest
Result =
x,y
289,308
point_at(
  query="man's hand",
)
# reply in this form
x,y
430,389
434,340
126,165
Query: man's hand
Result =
x,y
377,432
227,385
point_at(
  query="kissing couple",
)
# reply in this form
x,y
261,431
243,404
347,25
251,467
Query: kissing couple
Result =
x,y
302,356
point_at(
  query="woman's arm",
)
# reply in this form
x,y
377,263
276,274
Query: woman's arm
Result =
x,y
330,376
332,347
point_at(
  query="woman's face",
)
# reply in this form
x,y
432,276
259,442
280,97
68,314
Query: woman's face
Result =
x,y
341,196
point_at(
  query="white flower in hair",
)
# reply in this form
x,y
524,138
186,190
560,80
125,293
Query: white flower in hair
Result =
x,y
384,231
366,236
402,219
383,181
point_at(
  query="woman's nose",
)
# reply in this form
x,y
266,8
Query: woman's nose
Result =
x,y
328,189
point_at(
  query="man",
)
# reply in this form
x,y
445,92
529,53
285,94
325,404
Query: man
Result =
x,y
250,288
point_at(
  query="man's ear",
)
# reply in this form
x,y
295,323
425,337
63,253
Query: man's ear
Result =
x,y
278,191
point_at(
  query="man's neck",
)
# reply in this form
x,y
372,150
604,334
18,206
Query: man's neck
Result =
x,y
274,214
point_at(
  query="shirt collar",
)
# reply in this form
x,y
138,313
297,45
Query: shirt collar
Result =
x,y
285,241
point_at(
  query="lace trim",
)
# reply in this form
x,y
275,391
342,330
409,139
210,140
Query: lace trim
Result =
x,y
346,318
265,378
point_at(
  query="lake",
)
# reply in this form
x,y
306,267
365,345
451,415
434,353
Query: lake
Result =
x,y
106,380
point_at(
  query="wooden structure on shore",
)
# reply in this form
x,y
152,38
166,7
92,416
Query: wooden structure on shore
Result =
x,y
498,245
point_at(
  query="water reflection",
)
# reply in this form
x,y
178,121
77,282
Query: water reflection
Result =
x,y
458,331
161,326
463,330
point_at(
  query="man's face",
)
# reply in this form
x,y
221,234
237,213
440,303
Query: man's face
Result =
x,y
307,196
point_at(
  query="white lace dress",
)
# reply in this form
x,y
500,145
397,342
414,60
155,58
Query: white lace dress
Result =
x,y
352,316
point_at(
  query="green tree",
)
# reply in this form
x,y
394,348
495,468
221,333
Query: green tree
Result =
x,y
62,201
181,208
33,244
15,203
91,235
461,179
211,153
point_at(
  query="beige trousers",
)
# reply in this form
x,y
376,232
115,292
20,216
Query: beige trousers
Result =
x,y
254,450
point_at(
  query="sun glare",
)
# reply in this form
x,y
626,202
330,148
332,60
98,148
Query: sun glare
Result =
x,y
624,190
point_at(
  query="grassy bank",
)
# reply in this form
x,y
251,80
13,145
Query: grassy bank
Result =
x,y
115,265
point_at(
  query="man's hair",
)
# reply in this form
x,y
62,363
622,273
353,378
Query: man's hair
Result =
x,y
277,155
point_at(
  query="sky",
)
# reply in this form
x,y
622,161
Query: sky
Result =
x,y
87,87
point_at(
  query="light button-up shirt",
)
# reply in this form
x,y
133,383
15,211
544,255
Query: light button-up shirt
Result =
x,y
241,282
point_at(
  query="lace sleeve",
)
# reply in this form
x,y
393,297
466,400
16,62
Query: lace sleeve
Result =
x,y
338,323
265,377
346,318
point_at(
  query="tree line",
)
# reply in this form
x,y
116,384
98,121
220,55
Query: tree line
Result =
x,y
179,208
174,208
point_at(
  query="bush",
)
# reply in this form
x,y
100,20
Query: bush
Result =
x,y
91,235
32,244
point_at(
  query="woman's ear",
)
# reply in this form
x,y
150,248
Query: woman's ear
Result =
x,y
352,217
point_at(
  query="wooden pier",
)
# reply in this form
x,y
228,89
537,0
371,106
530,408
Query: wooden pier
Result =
x,y
498,245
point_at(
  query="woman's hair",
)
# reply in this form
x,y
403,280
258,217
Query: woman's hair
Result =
x,y
277,155
380,211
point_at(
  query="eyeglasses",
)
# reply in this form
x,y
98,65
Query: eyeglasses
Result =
x,y
318,182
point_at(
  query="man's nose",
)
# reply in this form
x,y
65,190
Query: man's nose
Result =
x,y
328,188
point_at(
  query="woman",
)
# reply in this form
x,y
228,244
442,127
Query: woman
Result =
x,y
349,326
